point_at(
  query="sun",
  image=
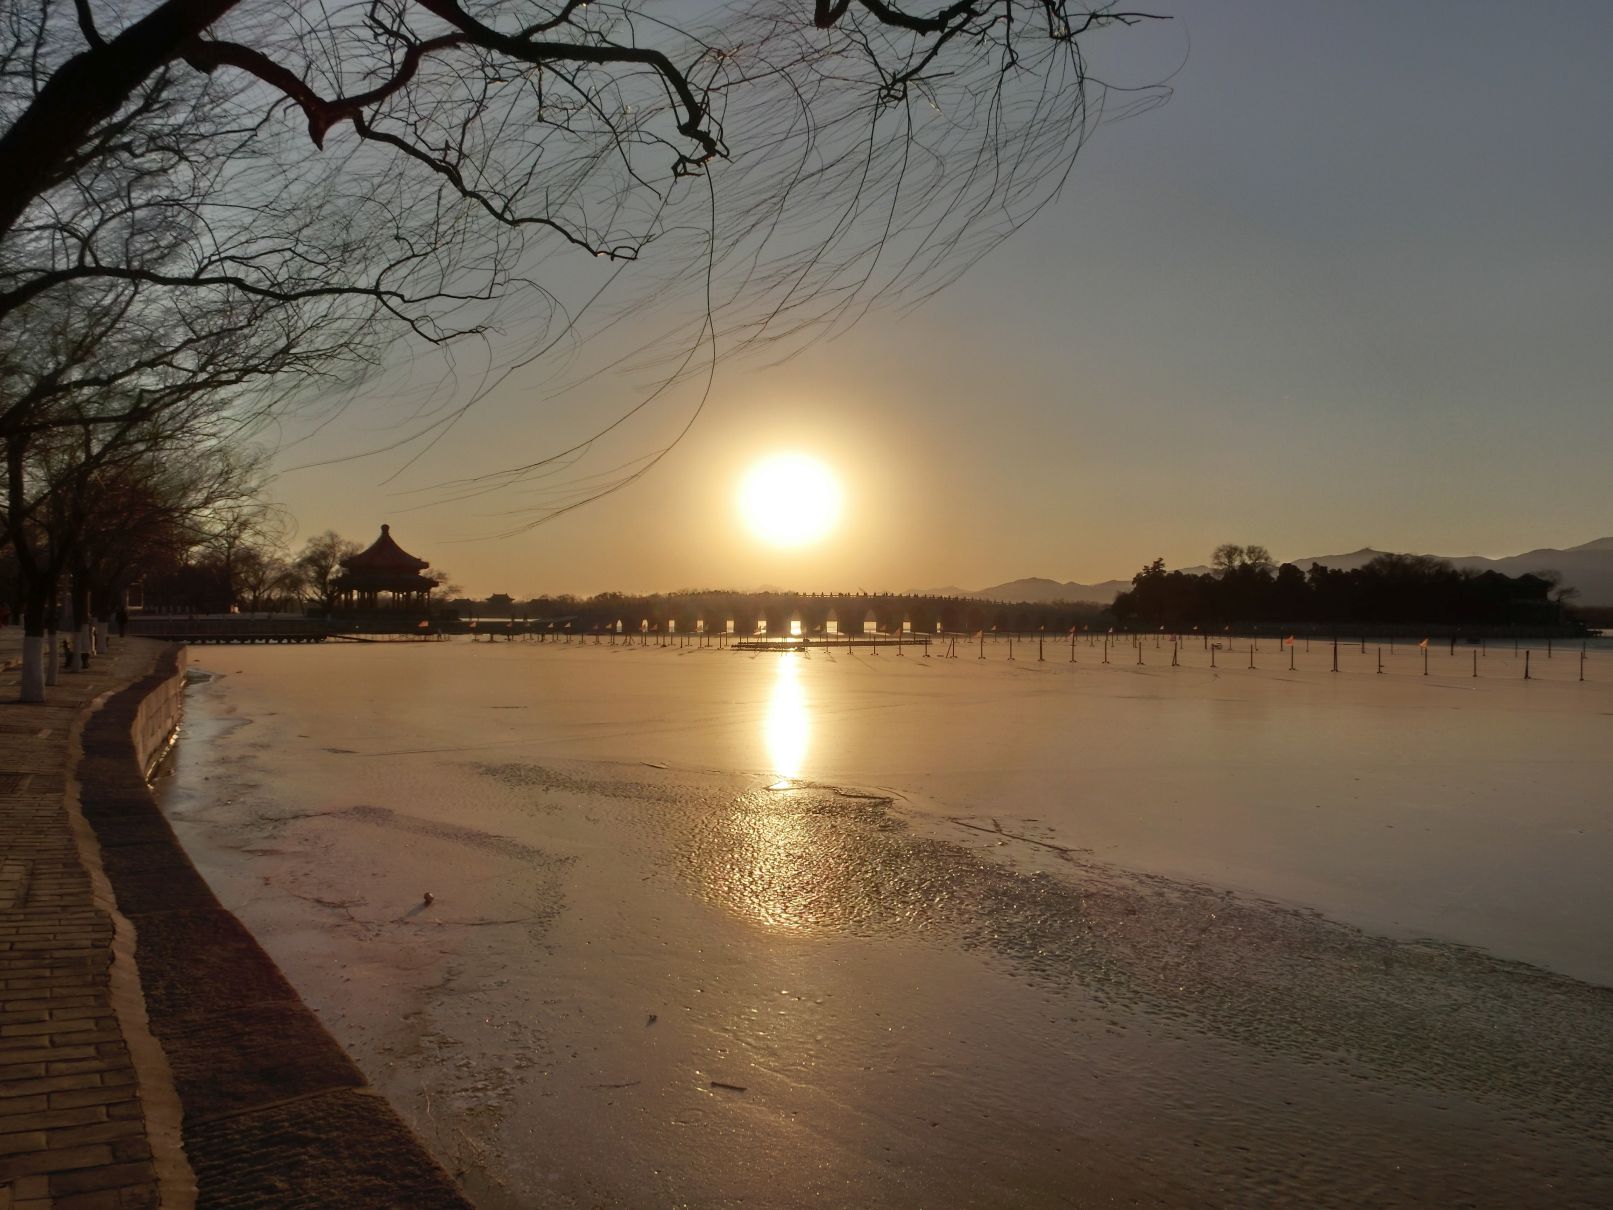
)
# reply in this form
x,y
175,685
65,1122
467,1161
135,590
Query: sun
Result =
x,y
789,500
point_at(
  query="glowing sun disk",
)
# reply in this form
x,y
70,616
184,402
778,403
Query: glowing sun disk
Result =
x,y
789,500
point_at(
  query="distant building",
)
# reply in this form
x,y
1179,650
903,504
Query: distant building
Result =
x,y
383,577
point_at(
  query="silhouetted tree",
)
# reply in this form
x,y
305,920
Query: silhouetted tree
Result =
x,y
788,163
320,562
1390,590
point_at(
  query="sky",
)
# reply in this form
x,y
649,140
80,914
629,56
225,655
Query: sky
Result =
x,y
1350,286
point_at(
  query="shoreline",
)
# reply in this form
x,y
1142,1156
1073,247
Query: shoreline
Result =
x,y
246,1097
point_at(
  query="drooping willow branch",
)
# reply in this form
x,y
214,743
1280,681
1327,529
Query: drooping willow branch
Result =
x,y
467,155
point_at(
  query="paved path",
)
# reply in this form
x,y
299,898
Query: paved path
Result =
x,y
150,1052
73,1133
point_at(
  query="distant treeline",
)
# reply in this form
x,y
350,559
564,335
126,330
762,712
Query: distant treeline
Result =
x,y
814,610
1595,615
1391,590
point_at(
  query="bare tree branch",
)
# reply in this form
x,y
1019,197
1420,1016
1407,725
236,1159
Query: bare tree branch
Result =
x,y
471,162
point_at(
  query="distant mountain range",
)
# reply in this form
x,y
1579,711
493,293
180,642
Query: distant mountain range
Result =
x,y
1036,589
1587,567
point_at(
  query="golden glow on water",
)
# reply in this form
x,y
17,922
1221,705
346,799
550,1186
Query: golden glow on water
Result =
x,y
787,727
764,847
771,874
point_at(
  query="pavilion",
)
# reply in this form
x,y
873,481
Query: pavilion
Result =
x,y
385,568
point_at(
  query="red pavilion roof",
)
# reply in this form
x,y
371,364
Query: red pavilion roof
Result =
x,y
384,555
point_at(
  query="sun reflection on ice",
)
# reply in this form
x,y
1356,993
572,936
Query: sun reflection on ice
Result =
x,y
787,728
768,874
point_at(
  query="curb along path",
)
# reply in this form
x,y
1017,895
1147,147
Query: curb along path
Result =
x,y
274,1112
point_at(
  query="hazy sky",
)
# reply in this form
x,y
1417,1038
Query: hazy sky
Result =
x,y
1351,286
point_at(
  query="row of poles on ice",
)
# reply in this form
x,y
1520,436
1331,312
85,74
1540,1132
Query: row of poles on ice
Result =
x,y
1109,644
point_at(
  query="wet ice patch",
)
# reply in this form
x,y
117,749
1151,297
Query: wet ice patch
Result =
x,y
434,829
822,863
546,780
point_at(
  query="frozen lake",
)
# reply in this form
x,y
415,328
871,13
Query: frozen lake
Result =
x,y
714,928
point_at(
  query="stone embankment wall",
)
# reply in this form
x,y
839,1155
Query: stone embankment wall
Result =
x,y
157,715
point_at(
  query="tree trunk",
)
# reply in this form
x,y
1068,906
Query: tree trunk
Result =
x,y
79,594
85,91
53,612
38,664
34,653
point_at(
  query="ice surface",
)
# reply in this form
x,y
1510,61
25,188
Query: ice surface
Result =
x,y
967,932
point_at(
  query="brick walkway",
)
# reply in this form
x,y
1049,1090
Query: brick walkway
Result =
x,y
73,1134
